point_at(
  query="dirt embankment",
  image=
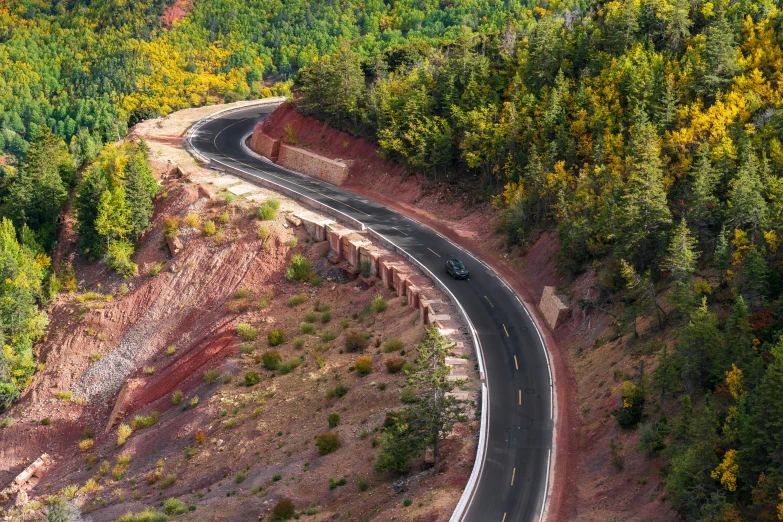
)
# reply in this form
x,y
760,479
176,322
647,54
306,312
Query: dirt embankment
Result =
x,y
135,351
587,486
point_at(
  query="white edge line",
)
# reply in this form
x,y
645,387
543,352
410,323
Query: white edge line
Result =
x,y
467,495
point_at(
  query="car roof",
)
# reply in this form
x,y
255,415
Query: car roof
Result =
x,y
455,260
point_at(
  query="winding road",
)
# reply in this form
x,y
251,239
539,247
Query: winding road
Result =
x,y
513,477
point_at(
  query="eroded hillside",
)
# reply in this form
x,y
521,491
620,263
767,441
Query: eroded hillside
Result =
x,y
199,386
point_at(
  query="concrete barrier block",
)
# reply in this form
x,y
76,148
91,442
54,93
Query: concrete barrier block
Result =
x,y
335,235
368,253
351,245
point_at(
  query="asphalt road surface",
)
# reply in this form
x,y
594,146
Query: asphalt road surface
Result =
x,y
512,485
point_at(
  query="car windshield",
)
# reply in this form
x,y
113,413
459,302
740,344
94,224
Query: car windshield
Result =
x,y
458,264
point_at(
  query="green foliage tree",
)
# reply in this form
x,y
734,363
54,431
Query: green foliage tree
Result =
x,y
433,415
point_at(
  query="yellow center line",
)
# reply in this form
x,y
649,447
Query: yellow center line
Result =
x,y
504,518
490,302
504,329
515,363
431,250
400,231
513,474
520,397
281,178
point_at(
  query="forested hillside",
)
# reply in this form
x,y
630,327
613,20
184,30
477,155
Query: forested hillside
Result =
x,y
648,135
75,75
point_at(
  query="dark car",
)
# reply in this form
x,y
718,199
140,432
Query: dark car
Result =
x,y
456,269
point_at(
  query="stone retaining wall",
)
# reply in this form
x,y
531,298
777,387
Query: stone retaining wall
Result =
x,y
300,160
265,145
553,307
323,168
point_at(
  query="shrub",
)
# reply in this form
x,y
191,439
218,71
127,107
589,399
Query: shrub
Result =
x,y
209,228
224,217
326,316
363,365
174,506
277,477
338,391
121,468
365,268
193,402
296,300
123,432
310,317
334,420
192,220
407,502
267,212
46,421
171,350
168,480
275,337
292,242
307,328
629,415
289,365
240,477
361,484
394,363
246,348
263,232
119,255
334,484
299,343
328,335
408,367
211,376
408,396
63,395
299,269
393,345
156,268
246,332
145,421
148,515
283,510
265,299
273,203
251,379
355,341
271,359
379,304
327,442
149,370
170,226
86,444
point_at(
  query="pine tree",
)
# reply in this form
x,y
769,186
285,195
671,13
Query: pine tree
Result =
x,y
643,209
719,57
700,344
747,209
140,187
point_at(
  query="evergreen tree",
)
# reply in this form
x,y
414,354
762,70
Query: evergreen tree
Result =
x,y
643,209
140,187
719,57
747,209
